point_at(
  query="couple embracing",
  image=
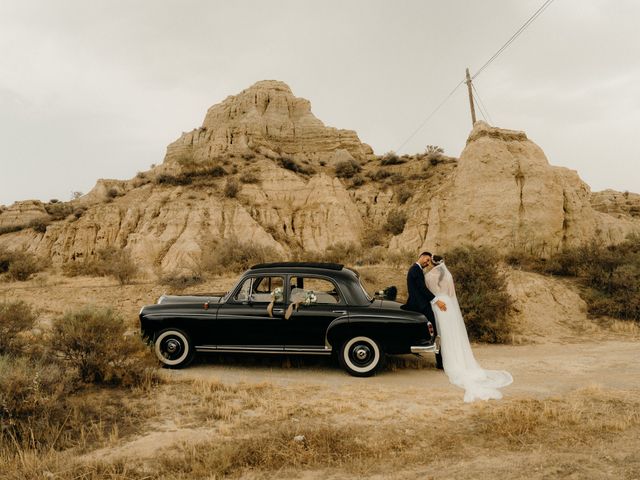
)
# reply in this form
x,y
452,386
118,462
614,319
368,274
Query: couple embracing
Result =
x,y
432,293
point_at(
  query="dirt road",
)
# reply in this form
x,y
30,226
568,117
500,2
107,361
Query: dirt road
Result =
x,y
538,370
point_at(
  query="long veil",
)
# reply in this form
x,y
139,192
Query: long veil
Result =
x,y
458,360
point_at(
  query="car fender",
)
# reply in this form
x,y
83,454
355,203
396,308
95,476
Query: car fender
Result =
x,y
343,327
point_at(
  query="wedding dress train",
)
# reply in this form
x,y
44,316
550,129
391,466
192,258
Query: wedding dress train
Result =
x,y
457,358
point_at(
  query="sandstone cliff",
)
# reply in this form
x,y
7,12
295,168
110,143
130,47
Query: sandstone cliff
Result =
x,y
502,192
266,117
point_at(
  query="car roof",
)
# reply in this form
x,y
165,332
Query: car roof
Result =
x,y
280,265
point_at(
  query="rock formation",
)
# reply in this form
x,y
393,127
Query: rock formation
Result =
x,y
504,194
501,193
266,117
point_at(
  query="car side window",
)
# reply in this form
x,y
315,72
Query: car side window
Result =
x,y
261,290
244,292
323,291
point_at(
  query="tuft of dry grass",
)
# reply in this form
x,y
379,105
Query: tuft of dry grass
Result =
x,y
291,431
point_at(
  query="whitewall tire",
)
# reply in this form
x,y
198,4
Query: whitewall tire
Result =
x,y
173,348
361,356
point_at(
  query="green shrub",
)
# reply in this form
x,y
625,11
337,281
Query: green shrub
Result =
x,y
59,210
249,177
16,318
609,273
32,394
434,154
108,262
401,258
372,237
482,293
231,188
391,158
395,223
403,195
357,181
39,224
11,228
234,255
6,257
23,266
379,175
285,161
93,342
347,168
341,253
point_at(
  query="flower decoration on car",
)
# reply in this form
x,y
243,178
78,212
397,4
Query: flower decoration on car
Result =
x,y
277,295
310,298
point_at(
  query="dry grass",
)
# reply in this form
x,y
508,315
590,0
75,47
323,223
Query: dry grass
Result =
x,y
292,430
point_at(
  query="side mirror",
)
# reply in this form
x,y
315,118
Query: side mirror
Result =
x,y
389,293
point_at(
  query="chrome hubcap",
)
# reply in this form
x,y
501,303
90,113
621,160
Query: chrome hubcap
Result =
x,y
362,352
172,346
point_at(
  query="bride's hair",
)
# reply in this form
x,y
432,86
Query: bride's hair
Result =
x,y
437,259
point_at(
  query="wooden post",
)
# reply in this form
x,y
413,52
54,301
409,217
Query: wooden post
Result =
x,y
473,110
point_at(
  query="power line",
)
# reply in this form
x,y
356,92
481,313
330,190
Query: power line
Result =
x,y
426,120
531,19
518,32
481,104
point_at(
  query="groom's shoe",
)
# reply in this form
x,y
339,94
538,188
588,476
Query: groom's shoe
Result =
x,y
439,361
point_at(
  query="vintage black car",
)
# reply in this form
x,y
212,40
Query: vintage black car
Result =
x,y
292,308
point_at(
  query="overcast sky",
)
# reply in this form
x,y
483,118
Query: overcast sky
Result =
x,y
97,89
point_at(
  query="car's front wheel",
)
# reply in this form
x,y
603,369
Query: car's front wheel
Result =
x,y
173,348
361,356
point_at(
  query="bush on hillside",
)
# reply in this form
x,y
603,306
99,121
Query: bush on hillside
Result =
x,y
233,255
482,293
93,342
610,273
395,223
19,266
231,188
108,262
16,318
347,168
32,395
391,158
434,154
342,252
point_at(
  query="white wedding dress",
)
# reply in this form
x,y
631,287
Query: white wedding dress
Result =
x,y
457,358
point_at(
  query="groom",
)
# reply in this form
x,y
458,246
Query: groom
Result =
x,y
420,297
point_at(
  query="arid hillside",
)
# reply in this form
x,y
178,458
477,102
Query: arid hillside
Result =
x,y
263,168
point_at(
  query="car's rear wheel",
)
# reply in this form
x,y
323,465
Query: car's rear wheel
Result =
x,y
173,348
361,356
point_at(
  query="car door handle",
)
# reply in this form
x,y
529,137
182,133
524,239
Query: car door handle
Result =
x,y
278,311
340,312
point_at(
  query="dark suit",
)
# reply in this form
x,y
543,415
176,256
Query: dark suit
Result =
x,y
419,295
420,300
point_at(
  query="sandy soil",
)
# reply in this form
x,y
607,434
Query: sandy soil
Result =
x,y
561,352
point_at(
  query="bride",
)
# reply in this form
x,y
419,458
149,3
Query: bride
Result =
x,y
459,363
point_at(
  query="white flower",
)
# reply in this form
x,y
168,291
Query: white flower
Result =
x,y
277,295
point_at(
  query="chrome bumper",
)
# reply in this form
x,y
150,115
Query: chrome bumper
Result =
x,y
435,348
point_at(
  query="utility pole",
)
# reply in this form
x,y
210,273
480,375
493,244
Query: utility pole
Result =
x,y
473,110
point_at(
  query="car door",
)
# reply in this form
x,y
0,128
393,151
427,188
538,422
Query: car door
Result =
x,y
319,302
243,321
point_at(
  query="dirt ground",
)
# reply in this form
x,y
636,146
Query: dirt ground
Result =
x,y
564,359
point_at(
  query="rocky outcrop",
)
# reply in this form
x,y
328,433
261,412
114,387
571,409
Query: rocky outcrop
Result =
x,y
624,205
21,214
504,194
265,115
